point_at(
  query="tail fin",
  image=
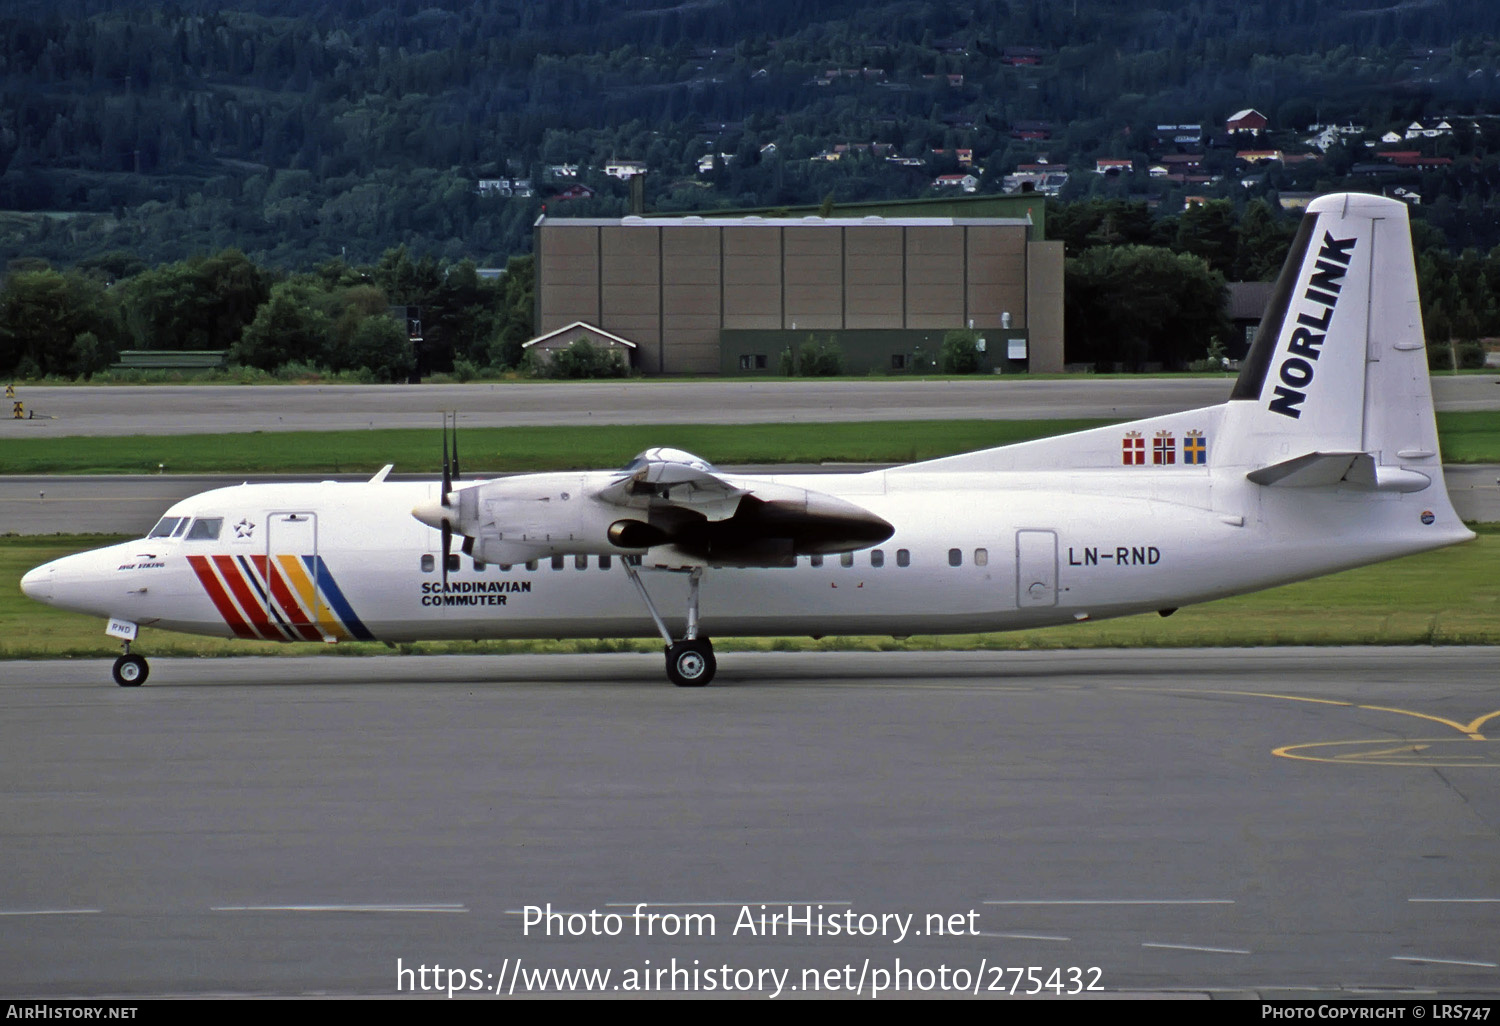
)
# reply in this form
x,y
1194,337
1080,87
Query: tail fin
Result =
x,y
1339,369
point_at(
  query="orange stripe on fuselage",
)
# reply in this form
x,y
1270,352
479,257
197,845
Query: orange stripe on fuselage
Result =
x,y
292,569
285,599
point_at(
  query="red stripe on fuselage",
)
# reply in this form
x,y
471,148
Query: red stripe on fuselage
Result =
x,y
216,594
254,610
284,598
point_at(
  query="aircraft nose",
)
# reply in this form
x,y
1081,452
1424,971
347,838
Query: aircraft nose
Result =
x,y
37,584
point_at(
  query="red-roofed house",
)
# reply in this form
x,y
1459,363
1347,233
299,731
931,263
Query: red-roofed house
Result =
x,y
1247,121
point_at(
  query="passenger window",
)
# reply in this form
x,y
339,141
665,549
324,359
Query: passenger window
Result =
x,y
846,559
903,557
531,564
877,557
452,562
205,529
981,557
557,562
604,562
815,560
429,564
955,557
580,562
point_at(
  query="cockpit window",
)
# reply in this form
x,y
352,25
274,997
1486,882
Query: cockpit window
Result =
x,y
205,529
167,526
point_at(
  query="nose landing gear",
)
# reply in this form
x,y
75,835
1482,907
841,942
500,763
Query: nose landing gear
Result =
x,y
131,671
691,663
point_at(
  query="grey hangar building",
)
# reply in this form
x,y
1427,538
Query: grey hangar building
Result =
x,y
728,295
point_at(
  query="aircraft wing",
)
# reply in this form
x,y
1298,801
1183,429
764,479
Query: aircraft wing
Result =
x,y
670,506
672,479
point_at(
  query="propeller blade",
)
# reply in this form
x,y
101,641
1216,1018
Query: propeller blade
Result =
x,y
447,547
447,474
456,474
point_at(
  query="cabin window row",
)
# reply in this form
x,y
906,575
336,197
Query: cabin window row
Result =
x,y
602,562
903,558
981,557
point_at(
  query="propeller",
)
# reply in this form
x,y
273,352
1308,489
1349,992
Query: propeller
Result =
x,y
450,475
468,544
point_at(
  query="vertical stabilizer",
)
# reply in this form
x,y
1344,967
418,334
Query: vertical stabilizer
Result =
x,y
1339,358
1334,393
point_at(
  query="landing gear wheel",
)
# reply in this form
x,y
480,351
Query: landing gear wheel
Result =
x,y
131,671
691,664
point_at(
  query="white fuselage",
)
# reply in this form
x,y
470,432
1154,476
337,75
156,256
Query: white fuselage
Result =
x,y
971,552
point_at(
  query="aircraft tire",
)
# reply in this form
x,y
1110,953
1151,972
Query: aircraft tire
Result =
x,y
131,671
691,664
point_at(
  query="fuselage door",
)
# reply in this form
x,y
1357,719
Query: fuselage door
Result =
x,y
294,537
1036,569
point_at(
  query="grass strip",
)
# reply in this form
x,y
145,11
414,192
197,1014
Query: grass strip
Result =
x,y
1467,437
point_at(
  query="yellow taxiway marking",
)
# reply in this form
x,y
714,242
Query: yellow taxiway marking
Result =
x,y
1471,729
1413,749
1432,753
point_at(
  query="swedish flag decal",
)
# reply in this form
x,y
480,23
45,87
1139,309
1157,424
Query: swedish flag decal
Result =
x,y
1194,448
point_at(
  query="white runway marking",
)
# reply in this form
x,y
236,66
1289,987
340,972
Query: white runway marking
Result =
x,y
1443,961
1119,901
341,908
1195,947
52,912
716,904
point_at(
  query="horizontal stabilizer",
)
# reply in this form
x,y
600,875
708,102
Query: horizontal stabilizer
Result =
x,y
1326,469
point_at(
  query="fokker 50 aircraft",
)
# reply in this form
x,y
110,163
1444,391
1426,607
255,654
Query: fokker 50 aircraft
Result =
x,y
1325,457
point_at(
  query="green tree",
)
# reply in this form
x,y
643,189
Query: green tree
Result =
x,y
202,303
1262,240
960,353
1133,305
53,323
514,318
289,326
583,359
1207,230
820,358
380,345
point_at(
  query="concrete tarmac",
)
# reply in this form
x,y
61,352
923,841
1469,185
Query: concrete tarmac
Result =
x,y
196,409
1230,823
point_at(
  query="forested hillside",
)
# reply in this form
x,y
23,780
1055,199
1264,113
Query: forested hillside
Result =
x,y
273,177
297,131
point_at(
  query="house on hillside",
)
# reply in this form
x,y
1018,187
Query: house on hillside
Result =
x,y
968,183
1247,122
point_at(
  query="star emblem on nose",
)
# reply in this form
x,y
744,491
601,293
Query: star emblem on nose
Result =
x,y
244,529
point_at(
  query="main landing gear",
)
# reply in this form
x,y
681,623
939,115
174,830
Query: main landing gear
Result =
x,y
131,671
690,661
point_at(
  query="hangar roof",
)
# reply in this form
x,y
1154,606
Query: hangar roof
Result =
x,y
811,221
